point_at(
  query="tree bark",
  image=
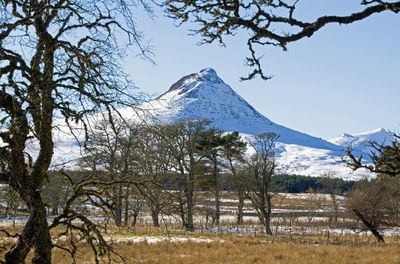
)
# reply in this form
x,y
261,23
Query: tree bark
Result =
x,y
267,223
18,254
155,210
36,233
370,226
118,205
182,214
190,204
154,217
240,205
126,219
216,179
335,207
378,236
267,214
43,244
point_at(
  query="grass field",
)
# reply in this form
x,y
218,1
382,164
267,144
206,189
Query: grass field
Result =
x,y
245,249
295,239
146,244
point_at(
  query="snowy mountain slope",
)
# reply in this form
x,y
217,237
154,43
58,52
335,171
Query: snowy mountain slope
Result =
x,y
308,161
300,160
360,141
204,95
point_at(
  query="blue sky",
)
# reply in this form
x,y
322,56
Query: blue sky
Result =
x,y
343,79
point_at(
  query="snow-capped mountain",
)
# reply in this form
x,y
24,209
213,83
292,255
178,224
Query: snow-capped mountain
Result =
x,y
360,142
204,95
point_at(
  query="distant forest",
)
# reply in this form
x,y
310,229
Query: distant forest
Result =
x,y
299,184
288,183
291,183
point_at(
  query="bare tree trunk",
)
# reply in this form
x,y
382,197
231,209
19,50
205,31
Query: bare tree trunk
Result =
x,y
154,217
267,223
43,244
25,242
36,233
378,236
136,212
126,219
118,205
155,210
134,221
264,214
189,204
370,226
182,214
240,205
217,187
335,207
267,214
189,223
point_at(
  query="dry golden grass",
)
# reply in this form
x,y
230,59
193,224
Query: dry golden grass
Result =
x,y
245,250
296,246
233,248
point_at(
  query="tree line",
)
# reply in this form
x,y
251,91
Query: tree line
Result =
x,y
170,162
175,160
161,167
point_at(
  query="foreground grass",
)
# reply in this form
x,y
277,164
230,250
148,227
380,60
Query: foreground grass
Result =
x,y
244,250
231,248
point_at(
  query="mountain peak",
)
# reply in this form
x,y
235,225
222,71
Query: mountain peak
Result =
x,y
375,131
205,75
208,71
346,135
361,141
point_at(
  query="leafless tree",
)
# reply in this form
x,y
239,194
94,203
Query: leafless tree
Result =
x,y
134,203
314,203
330,185
58,58
376,205
111,153
182,139
154,166
261,168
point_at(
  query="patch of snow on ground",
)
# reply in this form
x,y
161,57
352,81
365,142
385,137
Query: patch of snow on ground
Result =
x,y
310,195
155,240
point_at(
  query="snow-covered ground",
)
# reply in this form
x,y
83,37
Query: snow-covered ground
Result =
x,y
309,195
155,240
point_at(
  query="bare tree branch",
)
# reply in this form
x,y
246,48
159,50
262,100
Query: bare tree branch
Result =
x,y
264,21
